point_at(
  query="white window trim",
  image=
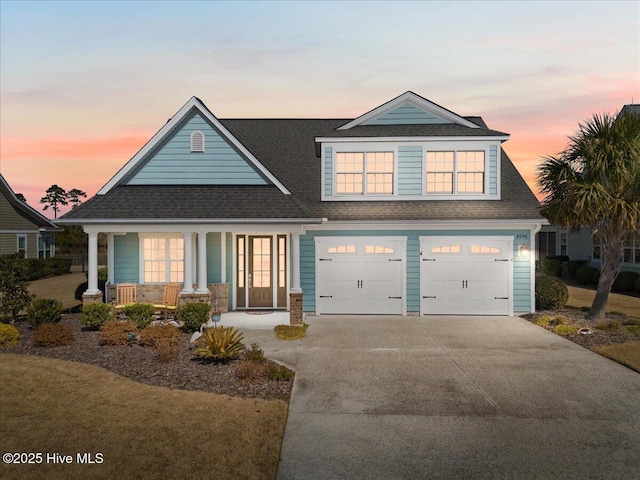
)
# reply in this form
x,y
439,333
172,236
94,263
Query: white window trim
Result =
x,y
364,148
26,243
201,150
141,238
455,194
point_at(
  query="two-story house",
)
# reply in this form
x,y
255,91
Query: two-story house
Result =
x,y
407,209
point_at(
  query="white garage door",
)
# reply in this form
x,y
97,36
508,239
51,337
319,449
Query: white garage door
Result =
x,y
466,275
360,275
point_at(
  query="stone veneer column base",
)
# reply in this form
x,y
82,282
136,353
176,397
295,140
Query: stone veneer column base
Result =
x,y
88,298
295,311
195,297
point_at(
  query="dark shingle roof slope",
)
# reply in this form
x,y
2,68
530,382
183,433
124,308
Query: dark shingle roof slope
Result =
x,y
25,210
161,202
287,148
433,130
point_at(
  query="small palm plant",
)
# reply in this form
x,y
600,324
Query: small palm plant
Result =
x,y
220,344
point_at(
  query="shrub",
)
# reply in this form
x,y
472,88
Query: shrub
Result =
x,y
609,325
57,266
634,329
291,332
9,335
551,293
574,265
625,282
278,372
44,310
35,266
565,329
543,321
117,332
586,275
193,315
219,343
166,349
249,370
94,315
159,332
52,335
552,266
255,354
140,313
14,285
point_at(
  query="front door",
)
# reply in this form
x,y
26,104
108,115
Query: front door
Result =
x,y
260,271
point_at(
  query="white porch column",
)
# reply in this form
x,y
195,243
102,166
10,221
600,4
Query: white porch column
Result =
x,y
111,257
188,263
202,263
295,263
92,276
223,257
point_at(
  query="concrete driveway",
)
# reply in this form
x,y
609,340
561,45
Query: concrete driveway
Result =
x,y
454,397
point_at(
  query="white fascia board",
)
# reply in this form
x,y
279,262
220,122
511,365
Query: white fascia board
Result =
x,y
121,229
190,221
500,138
417,101
515,224
192,103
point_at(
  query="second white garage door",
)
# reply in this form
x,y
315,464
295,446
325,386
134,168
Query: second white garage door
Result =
x,y
360,275
466,275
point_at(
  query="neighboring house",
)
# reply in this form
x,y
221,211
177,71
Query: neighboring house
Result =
x,y
23,229
584,245
407,209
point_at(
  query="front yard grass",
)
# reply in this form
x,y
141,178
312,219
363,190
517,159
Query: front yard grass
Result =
x,y
627,354
142,431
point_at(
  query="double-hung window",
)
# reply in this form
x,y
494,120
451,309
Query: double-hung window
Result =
x,y
364,173
449,172
163,258
22,245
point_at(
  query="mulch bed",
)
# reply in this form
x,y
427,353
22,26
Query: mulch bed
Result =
x,y
141,364
577,317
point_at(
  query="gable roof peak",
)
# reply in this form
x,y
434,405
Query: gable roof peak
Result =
x,y
410,98
167,129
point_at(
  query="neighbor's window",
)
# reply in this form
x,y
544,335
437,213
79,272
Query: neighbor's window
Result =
x,y
45,245
22,246
595,241
197,142
163,259
631,252
364,173
455,172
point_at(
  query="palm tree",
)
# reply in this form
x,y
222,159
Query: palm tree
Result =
x,y
595,183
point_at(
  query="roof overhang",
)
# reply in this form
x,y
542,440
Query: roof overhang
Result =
x,y
500,138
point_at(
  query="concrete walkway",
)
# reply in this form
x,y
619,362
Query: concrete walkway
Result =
x,y
453,397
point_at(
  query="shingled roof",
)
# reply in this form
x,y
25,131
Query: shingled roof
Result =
x,y
287,148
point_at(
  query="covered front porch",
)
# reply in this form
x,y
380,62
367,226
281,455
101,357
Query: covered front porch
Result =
x,y
243,267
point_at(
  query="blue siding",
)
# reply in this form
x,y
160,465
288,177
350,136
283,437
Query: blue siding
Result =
x,y
175,164
406,115
213,258
493,170
328,171
126,263
521,265
410,170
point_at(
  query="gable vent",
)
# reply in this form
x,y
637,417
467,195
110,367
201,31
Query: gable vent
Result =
x,y
197,142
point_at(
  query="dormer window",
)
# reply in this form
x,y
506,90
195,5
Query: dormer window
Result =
x,y
455,172
364,173
197,142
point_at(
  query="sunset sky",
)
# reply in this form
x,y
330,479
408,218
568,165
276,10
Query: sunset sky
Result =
x,y
83,85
